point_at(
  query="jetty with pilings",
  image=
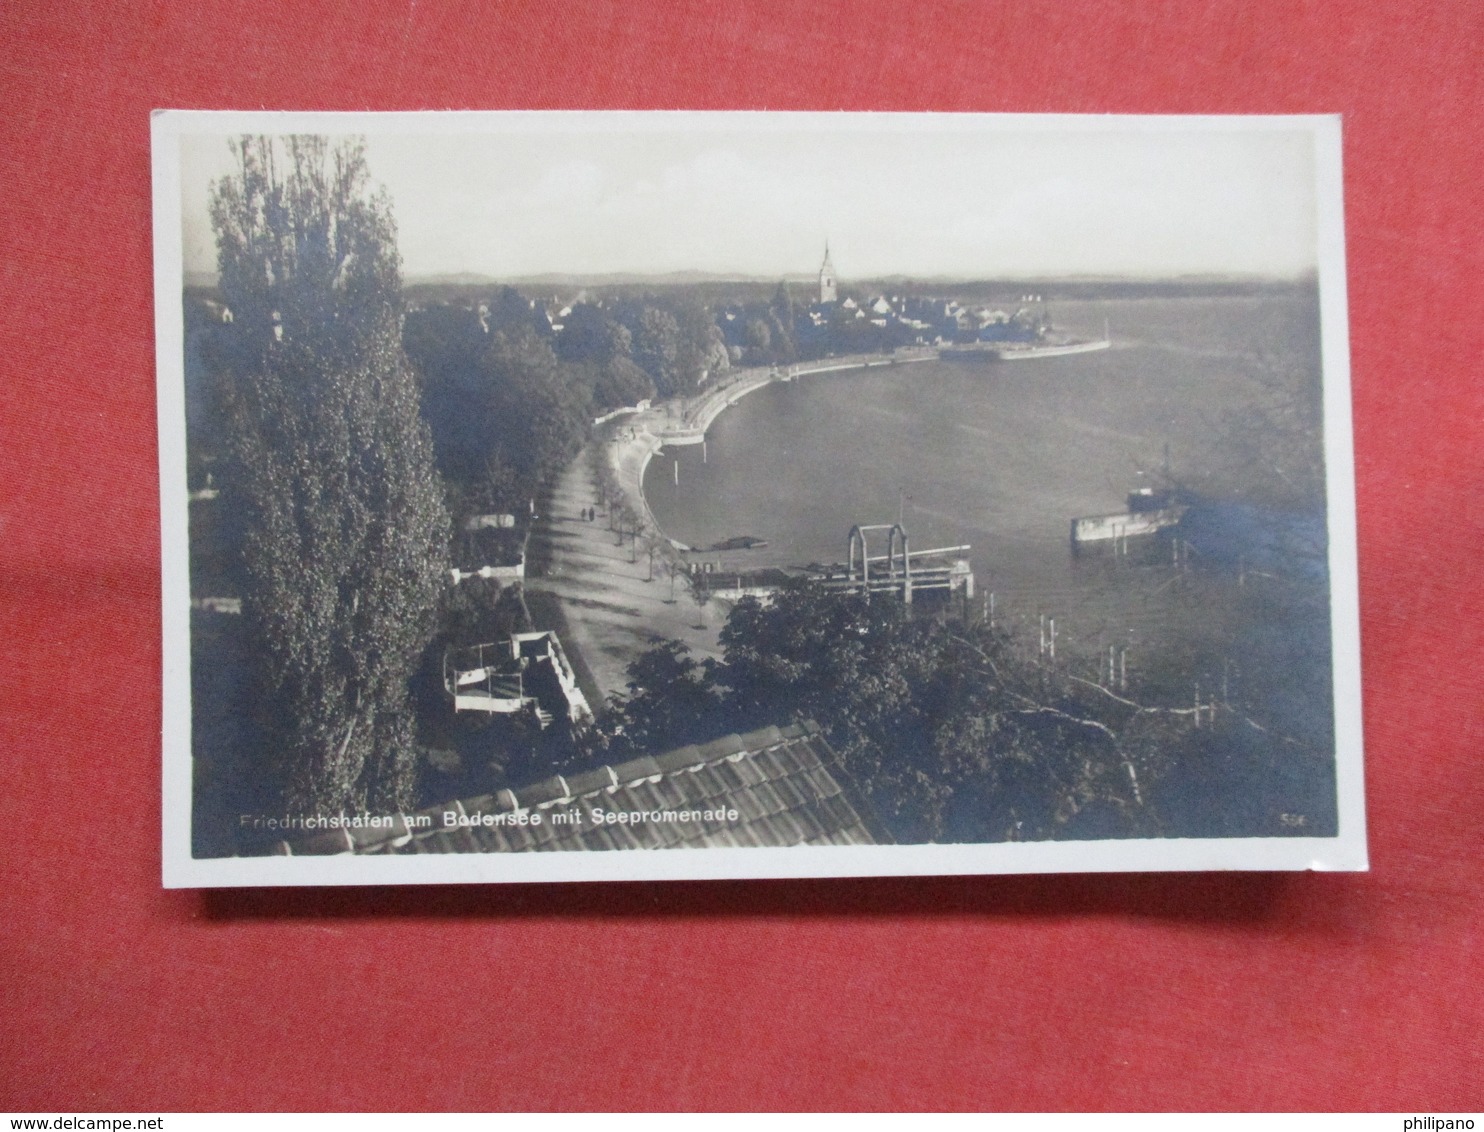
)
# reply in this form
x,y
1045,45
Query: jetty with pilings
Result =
x,y
901,571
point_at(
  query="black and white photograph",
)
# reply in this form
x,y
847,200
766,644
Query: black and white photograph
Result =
x,y
621,495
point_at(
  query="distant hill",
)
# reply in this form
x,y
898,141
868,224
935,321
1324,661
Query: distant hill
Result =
x,y
1080,287
712,285
604,279
674,278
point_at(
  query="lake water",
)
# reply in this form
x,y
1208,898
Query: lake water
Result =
x,y
1000,456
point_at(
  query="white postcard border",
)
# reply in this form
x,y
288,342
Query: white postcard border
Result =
x,y
1344,852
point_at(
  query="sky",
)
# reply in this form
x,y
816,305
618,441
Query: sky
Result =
x,y
960,196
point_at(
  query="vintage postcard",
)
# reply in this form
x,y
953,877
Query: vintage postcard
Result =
x,y
613,496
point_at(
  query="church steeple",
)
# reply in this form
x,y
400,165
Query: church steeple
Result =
x,y
827,277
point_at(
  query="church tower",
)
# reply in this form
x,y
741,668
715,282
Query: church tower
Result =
x,y
827,277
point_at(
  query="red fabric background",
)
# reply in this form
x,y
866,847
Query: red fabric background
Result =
x,y
1207,991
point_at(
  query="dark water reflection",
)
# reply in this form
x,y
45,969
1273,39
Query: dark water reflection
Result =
x,y
998,456
1003,456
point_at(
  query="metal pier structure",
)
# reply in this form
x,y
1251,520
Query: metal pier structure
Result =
x,y
901,570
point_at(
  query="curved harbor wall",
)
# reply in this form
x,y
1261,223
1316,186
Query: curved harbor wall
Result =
x,y
651,429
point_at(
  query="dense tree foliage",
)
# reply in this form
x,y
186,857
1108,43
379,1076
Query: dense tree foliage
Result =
x,y
601,352
702,349
656,720
344,531
512,384
537,416
657,350
954,732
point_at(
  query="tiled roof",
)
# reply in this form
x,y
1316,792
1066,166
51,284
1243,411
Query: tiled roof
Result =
x,y
773,787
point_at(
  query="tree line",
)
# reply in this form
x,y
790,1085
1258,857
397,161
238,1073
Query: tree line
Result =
x,y
511,398
352,436
329,476
954,730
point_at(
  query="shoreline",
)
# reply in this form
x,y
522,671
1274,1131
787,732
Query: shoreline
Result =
x,y
616,600
656,428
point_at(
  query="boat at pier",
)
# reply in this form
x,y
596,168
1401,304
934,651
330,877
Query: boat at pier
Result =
x,y
1149,512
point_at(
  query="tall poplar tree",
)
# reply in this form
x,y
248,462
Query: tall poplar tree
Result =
x,y
344,530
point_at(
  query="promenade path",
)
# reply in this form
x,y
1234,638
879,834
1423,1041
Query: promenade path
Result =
x,y
613,611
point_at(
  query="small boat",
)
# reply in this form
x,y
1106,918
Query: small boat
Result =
x,y
741,542
1150,510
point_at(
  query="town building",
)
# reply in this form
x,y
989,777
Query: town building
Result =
x,y
529,672
827,289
